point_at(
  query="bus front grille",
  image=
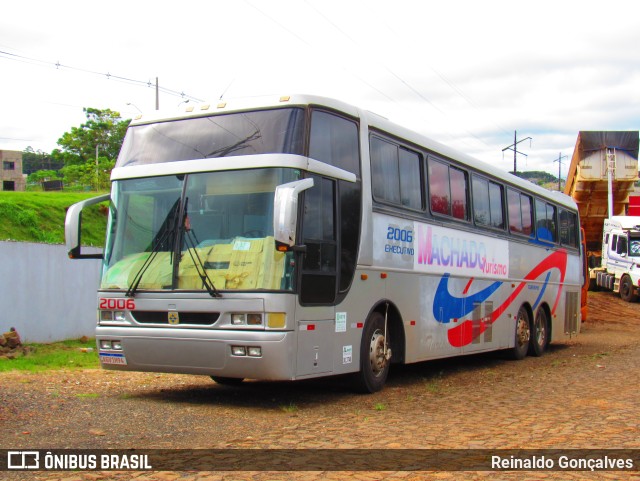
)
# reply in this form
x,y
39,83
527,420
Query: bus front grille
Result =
x,y
169,317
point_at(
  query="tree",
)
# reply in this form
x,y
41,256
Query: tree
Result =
x,y
100,136
89,151
43,175
33,161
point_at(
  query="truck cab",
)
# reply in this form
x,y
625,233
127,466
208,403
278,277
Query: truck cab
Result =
x,y
621,257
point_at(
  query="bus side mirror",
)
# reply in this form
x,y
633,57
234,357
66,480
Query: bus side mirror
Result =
x,y
73,224
285,210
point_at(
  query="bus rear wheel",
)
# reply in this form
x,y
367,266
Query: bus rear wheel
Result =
x,y
539,333
375,355
522,334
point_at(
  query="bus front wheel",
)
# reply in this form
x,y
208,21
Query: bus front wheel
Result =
x,y
375,355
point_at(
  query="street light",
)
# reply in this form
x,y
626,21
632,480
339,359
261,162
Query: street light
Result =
x,y
134,105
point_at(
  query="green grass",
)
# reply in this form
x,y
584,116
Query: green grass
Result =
x,y
57,355
290,408
39,217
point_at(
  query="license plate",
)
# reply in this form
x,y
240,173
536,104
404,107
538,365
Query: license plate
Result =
x,y
113,358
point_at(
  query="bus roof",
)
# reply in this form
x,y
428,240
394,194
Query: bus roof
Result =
x,y
371,119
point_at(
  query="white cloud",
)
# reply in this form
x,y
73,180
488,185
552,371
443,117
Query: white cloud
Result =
x,y
466,73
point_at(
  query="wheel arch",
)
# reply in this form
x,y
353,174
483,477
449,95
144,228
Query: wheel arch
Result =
x,y
529,309
395,326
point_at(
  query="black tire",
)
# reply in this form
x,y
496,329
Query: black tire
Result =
x,y
227,381
539,333
627,291
374,364
522,335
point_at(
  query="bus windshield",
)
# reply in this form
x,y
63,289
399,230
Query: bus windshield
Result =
x,y
185,231
276,131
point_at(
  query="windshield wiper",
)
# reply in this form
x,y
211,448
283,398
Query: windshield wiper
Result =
x,y
164,238
191,242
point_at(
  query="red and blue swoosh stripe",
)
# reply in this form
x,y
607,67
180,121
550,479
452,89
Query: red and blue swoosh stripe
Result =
x,y
447,307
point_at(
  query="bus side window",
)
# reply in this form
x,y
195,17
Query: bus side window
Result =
x,y
334,140
448,190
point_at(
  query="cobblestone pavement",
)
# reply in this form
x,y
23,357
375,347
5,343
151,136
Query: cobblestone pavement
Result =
x,y
582,394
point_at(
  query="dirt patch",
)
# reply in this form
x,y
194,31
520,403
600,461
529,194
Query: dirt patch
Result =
x,y
581,394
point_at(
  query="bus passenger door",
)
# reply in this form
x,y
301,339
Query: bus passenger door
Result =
x,y
318,279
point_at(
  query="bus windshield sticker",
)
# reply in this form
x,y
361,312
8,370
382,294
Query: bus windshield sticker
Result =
x,y
241,245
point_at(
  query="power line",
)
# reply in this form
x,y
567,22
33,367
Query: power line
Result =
x,y
559,161
393,73
107,75
515,150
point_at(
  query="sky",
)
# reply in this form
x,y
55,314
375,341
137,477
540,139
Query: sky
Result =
x,y
465,73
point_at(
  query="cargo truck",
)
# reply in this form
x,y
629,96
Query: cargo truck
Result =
x,y
620,266
602,174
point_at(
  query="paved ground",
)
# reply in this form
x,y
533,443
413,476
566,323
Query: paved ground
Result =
x,y
582,394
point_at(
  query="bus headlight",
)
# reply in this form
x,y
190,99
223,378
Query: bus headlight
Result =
x,y
105,344
254,351
238,351
243,319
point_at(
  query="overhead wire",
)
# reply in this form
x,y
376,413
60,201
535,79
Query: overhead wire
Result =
x,y
414,90
109,76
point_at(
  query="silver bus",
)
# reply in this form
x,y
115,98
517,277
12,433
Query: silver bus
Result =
x,y
297,237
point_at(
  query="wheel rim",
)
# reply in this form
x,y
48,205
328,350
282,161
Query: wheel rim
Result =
x,y
522,330
541,329
377,356
624,288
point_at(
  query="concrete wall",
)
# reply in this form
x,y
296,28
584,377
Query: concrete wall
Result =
x,y
46,296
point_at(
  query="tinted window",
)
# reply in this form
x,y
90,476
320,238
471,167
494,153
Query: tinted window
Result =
x,y
496,207
396,174
384,171
334,140
249,133
319,275
526,203
545,221
481,214
568,228
440,198
458,193
520,207
410,179
448,190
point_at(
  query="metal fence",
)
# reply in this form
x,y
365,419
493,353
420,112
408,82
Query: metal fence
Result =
x,y
46,296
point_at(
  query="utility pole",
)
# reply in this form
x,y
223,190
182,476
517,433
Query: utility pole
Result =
x,y
515,151
559,161
157,95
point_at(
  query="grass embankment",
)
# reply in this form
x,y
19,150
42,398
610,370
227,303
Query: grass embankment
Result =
x,y
75,354
39,217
